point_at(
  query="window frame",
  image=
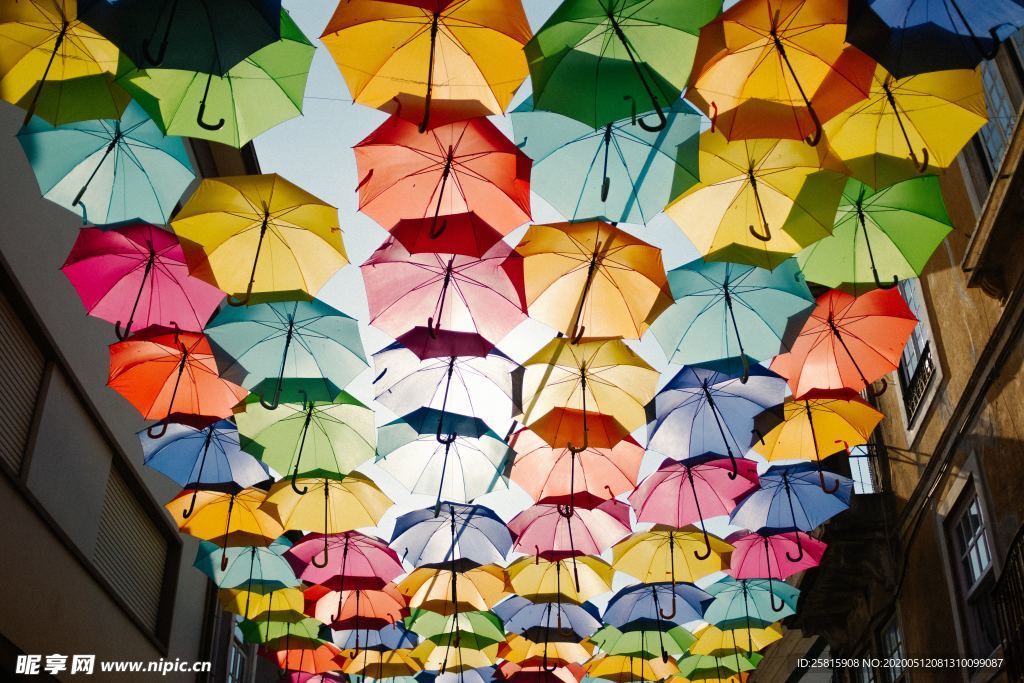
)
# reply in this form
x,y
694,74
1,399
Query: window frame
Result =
x,y
892,625
912,423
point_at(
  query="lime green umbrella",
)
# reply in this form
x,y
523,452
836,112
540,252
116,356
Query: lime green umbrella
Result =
x,y
253,96
306,436
600,61
696,667
880,236
266,630
642,643
475,630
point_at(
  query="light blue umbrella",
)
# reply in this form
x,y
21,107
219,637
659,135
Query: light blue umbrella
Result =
x,y
726,310
251,567
791,496
749,603
110,170
619,172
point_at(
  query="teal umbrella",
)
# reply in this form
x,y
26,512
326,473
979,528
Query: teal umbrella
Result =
x,y
109,170
619,172
262,345
747,603
249,567
727,310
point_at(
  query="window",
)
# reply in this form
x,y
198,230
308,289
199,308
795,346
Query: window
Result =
x,y
862,470
972,563
891,642
236,656
1002,116
865,674
916,368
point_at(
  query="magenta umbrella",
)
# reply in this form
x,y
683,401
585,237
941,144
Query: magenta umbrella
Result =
x,y
773,554
136,275
682,492
346,561
557,532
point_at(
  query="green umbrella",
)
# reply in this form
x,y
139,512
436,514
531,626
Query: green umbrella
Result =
x,y
880,233
697,667
253,96
308,437
600,61
263,630
646,644
475,630
748,603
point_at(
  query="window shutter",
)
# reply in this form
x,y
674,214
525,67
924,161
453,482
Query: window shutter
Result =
x,y
21,374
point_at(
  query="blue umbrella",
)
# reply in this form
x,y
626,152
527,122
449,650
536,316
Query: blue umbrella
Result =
x,y
726,310
642,606
261,345
421,537
392,637
521,615
619,172
749,602
910,37
110,170
705,408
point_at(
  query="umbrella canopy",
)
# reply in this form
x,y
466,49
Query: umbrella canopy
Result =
x,y
330,506
625,669
256,569
620,172
202,456
727,310
585,527
452,169
557,473
773,553
932,35
109,170
475,629
453,456
360,610
358,561
521,650
644,644
665,553
189,35
391,637
430,62
454,658
263,90
226,519
282,605
682,492
714,641
445,291
749,602
521,615
848,342
704,409
45,46
314,658
382,665
662,605
276,631
599,61
602,376
592,280
758,201
261,345
791,496
136,276
161,371
561,427
892,230
909,125
261,233
450,592
464,233
778,69
574,580
702,667
425,536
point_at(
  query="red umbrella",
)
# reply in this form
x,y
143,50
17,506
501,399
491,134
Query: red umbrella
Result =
x,y
360,609
450,291
769,554
314,660
428,343
451,169
682,492
360,561
464,233
848,342
136,275
556,532
163,371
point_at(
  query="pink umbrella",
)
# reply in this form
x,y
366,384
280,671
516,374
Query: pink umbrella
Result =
x,y
768,554
682,492
450,291
557,532
359,561
137,273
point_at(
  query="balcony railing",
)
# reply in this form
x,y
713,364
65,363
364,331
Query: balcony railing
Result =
x,y
1008,597
916,387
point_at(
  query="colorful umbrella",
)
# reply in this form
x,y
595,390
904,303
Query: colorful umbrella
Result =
x,y
454,658
161,371
275,631
475,629
249,234
263,90
521,615
250,568
453,456
360,610
226,519
391,637
758,201
457,60
548,653
646,604
452,169
450,592
445,291
714,641
424,536
620,172
382,665
701,667
315,658
791,496
848,342
330,506
769,553
592,279
110,170
777,69
585,527
364,562
261,345
932,35
644,644
600,61
561,427
135,275
668,553
893,229
464,233
726,310
540,580
749,602
281,604
907,126
188,35
624,669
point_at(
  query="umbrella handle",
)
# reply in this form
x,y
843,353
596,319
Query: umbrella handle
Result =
x,y
662,119
827,489
435,230
814,139
380,376
799,550
991,54
735,466
895,278
161,52
714,116
922,166
122,334
295,487
162,424
431,330
605,187
239,301
878,392
202,123
672,613
766,237
771,598
326,551
760,436
707,546
185,514
566,511
578,334
746,370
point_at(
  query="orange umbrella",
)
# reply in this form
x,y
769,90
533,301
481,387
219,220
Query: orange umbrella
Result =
x,y
448,592
366,609
778,69
561,426
312,660
163,371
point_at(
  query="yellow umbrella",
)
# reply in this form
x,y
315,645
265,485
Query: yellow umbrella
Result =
x,y
534,577
623,669
601,376
519,650
667,554
592,278
449,658
387,664
259,233
44,46
716,642
227,519
448,592
908,125
465,57
758,201
328,506
284,604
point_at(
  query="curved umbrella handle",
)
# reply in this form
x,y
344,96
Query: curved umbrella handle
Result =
x,y
436,231
771,598
567,510
922,166
672,613
431,330
578,335
878,392
799,550
123,334
326,552
714,116
662,119
707,547
445,440
735,466
271,405
202,123
239,301
760,436
162,424
766,237
884,285
827,489
991,54
161,52
185,514
814,139
295,487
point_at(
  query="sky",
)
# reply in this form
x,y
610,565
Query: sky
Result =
x,y
314,151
